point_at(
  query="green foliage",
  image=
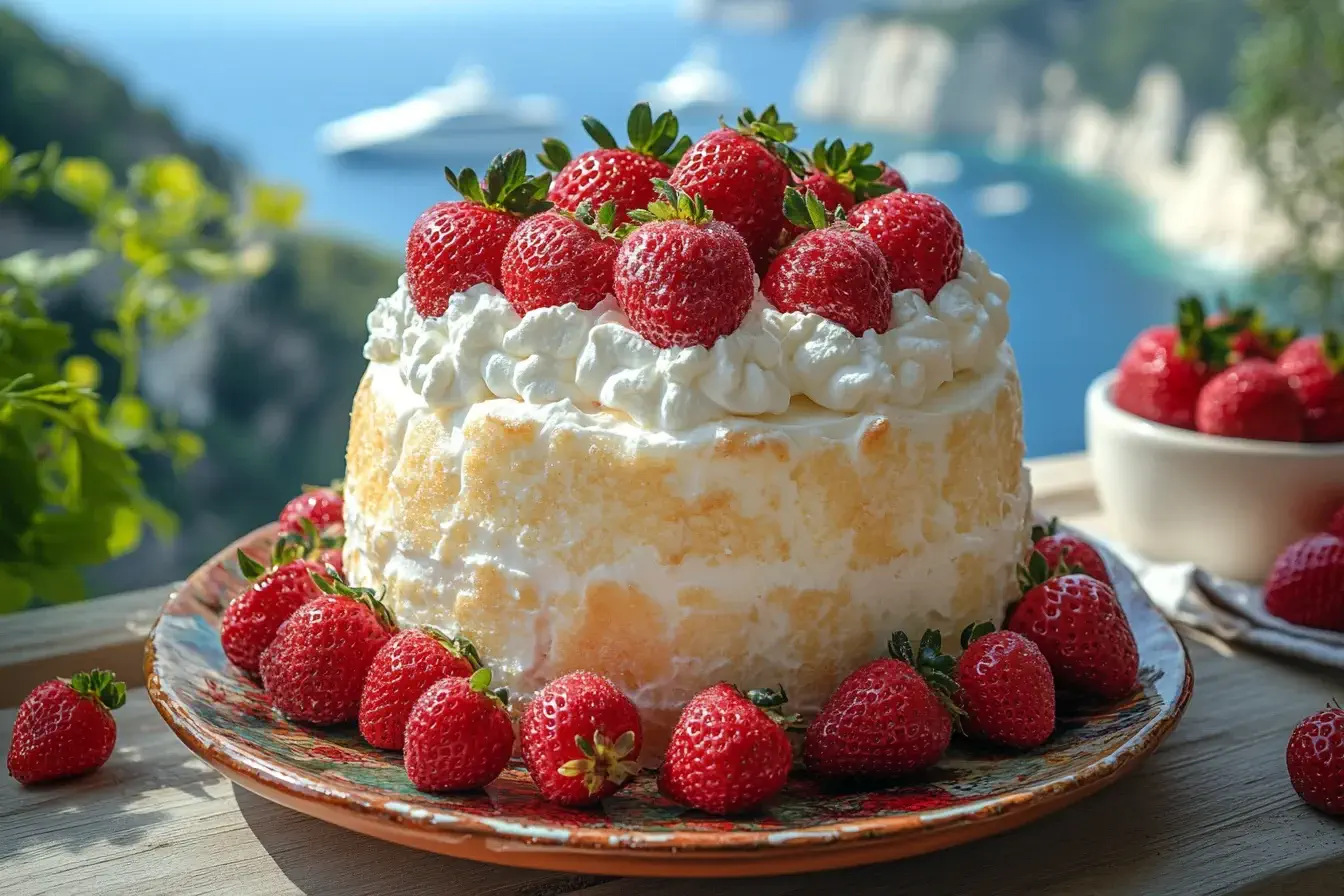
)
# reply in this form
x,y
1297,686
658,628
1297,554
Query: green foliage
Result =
x,y
73,494
1288,106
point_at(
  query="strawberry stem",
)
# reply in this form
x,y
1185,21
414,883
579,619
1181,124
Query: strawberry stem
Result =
x,y
457,646
934,666
1037,570
674,206
507,186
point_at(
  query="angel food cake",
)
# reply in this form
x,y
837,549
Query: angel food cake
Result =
x,y
660,467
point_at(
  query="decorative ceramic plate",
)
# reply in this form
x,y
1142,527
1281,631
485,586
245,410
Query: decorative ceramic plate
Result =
x,y
331,774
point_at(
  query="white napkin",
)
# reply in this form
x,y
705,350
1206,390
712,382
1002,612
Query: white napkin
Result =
x,y
1230,610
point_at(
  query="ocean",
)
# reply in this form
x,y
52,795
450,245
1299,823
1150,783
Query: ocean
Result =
x,y
261,77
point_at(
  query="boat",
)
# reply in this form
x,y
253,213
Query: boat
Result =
x,y
465,113
694,85
763,15
929,167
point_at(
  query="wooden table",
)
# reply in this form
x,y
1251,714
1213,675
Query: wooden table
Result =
x,y
1211,812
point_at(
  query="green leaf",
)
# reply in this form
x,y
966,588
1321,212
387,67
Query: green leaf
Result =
x,y
639,125
275,205
606,215
129,420
673,155
16,591
554,154
469,186
209,263
598,131
249,567
127,527
81,371
795,208
84,183
816,212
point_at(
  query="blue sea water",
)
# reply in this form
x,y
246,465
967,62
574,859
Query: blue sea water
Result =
x,y
261,77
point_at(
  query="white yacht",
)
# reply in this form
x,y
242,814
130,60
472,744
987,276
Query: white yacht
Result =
x,y
465,113
695,85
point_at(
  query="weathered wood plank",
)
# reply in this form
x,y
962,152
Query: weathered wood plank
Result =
x,y
108,632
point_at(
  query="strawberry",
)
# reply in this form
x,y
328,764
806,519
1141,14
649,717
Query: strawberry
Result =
x,y
889,176
1316,759
920,237
611,173
1061,549
580,737
681,277
65,728
1165,367
1314,366
741,174
402,670
459,735
728,752
1005,688
559,257
839,177
1251,400
1078,624
323,507
890,717
314,669
1336,525
456,245
251,620
1306,584
832,270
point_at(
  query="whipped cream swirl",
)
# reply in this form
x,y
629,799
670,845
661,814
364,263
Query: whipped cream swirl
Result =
x,y
481,348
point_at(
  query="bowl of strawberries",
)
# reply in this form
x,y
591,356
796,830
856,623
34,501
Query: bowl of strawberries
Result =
x,y
1219,440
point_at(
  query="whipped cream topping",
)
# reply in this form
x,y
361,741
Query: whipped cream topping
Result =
x,y
481,348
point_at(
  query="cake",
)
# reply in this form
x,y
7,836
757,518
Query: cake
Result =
x,y
766,509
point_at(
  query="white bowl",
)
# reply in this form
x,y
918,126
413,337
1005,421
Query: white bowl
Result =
x,y
1227,505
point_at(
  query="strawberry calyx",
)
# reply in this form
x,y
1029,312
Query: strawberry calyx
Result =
x,y
307,544
850,167
334,583
1037,570
808,212
1332,349
771,701
101,686
975,631
602,222
458,646
653,137
1051,527
603,760
480,683
773,134
674,206
507,187
934,666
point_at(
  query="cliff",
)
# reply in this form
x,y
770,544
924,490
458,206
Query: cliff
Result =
x,y
1186,162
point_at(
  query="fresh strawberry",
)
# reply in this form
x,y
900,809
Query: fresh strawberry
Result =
x,y
919,236
402,670
457,245
459,735
1165,367
890,717
1314,366
251,620
1316,759
839,177
581,737
728,752
1005,688
1306,584
1078,624
331,559
323,507
832,270
741,173
682,278
65,728
1070,551
612,173
1251,400
314,669
890,177
559,257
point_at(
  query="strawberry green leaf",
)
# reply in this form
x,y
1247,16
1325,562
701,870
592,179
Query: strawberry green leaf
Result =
x,y
816,212
554,155
974,632
102,686
598,131
1332,347
639,126
250,568
673,155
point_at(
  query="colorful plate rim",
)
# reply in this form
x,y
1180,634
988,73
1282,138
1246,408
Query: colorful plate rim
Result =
x,y
641,853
